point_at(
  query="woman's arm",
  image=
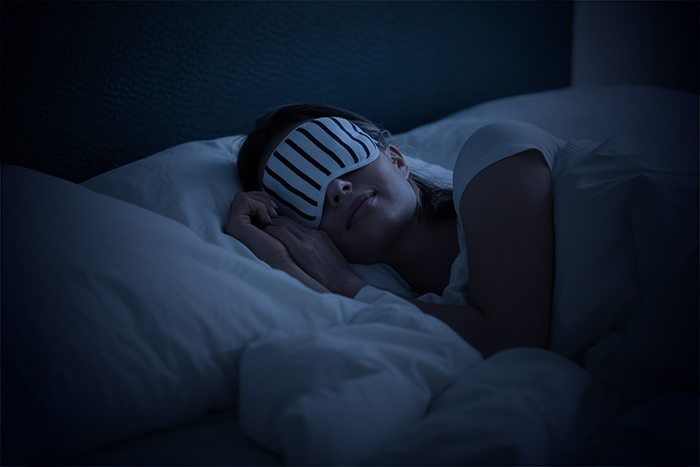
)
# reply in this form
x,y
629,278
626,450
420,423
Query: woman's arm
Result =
x,y
506,213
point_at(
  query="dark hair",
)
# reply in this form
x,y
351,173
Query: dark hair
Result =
x,y
434,202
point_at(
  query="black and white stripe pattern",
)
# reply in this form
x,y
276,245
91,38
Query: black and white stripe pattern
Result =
x,y
310,157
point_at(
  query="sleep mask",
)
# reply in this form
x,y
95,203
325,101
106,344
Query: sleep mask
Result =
x,y
310,157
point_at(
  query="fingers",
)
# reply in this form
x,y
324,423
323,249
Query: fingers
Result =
x,y
246,205
249,208
292,226
301,241
259,204
285,233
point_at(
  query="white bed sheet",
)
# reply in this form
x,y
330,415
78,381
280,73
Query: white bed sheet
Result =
x,y
159,319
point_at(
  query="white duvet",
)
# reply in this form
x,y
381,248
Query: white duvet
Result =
x,y
626,242
127,310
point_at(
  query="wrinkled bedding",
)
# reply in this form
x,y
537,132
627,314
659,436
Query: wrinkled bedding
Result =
x,y
393,388
625,245
127,311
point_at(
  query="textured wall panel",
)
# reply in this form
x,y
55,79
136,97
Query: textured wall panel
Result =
x,y
89,86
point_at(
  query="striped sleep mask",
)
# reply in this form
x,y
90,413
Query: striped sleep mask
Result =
x,y
310,157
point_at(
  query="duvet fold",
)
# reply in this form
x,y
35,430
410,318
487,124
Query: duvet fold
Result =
x,y
389,382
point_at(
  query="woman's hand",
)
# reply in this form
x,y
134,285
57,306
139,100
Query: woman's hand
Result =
x,y
251,212
317,255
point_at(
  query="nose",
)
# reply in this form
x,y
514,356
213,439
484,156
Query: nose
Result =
x,y
337,190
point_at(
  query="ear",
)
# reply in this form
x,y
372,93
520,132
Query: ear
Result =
x,y
397,159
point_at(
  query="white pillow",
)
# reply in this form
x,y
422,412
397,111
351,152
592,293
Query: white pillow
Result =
x,y
663,120
118,321
193,183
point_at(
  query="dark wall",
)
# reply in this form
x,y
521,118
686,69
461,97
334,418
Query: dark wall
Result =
x,y
89,86
637,42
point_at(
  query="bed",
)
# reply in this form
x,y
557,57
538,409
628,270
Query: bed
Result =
x,y
135,332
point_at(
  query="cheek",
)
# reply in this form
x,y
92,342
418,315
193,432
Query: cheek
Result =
x,y
331,222
410,194
403,199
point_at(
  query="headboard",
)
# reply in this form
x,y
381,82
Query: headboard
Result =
x,y
90,86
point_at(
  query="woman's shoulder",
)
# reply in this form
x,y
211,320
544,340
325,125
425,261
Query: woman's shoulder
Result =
x,y
498,140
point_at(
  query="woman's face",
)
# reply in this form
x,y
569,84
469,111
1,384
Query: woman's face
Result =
x,y
367,208
364,210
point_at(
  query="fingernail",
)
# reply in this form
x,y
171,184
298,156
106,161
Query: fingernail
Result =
x,y
274,205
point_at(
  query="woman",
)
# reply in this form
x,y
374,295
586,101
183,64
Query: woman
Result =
x,y
349,196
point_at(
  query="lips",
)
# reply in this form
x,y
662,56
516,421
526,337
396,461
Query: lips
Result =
x,y
357,207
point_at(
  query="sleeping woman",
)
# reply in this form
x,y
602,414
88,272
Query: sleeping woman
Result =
x,y
326,187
